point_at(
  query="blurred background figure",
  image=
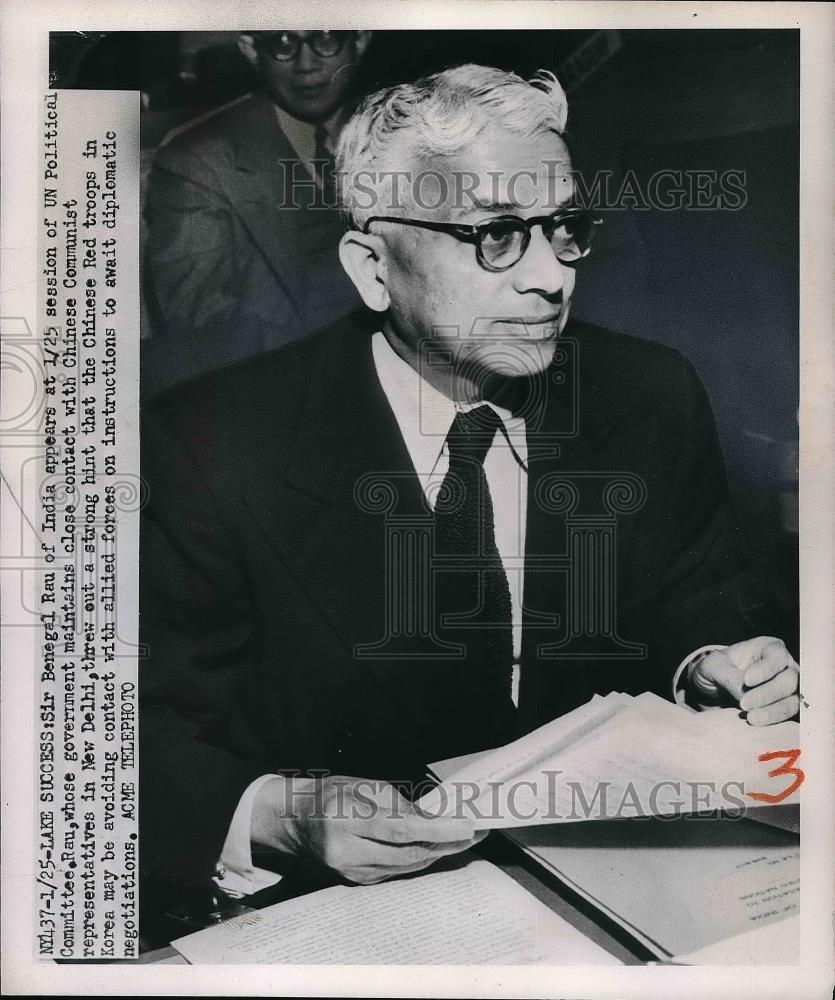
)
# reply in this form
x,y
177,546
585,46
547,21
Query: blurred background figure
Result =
x,y
241,243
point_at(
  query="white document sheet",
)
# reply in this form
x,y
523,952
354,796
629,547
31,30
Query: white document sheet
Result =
x,y
774,944
676,885
466,914
616,757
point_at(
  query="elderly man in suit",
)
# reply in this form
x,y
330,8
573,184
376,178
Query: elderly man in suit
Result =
x,y
361,552
242,228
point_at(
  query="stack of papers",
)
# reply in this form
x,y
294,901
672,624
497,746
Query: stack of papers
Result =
x,y
618,757
645,771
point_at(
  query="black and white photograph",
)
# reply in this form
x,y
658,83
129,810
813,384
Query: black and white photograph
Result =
x,y
427,571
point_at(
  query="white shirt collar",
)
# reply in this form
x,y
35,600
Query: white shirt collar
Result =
x,y
302,135
424,415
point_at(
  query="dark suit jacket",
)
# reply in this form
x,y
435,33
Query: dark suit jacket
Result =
x,y
263,567
236,262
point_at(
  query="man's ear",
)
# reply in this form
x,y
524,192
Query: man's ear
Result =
x,y
246,46
363,257
361,40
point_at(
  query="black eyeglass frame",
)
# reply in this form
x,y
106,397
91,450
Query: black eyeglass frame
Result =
x,y
313,40
474,234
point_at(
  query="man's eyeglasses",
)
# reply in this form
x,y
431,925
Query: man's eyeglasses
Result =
x,y
285,45
501,242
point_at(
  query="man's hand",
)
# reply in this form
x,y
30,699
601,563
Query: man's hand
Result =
x,y
364,830
758,674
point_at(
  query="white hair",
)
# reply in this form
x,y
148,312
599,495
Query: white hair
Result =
x,y
437,115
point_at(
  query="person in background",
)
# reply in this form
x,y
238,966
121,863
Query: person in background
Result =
x,y
241,254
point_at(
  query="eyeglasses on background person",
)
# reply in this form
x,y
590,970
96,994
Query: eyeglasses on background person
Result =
x,y
285,45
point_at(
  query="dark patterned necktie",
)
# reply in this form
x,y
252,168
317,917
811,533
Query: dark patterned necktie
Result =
x,y
464,528
324,165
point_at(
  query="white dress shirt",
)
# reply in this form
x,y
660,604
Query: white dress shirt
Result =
x,y
424,416
302,135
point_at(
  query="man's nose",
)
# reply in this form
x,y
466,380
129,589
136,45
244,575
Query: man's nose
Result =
x,y
306,60
539,270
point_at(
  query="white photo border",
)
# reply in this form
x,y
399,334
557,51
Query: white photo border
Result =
x,y
24,65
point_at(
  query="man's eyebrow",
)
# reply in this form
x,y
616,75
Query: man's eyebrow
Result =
x,y
472,204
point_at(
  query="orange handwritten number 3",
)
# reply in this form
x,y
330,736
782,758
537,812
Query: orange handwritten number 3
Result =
x,y
787,768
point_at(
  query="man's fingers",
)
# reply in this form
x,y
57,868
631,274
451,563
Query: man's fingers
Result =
x,y
405,859
411,827
450,847
718,671
744,653
407,825
773,658
782,686
413,857
778,711
759,673
372,873
356,853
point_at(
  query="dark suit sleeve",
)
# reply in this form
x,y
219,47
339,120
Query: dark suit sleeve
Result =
x,y
710,589
198,266
195,621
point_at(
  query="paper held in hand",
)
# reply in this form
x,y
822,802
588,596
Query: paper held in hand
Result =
x,y
620,757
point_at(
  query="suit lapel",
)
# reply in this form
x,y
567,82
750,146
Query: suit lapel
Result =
x,y
260,150
576,448
328,511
